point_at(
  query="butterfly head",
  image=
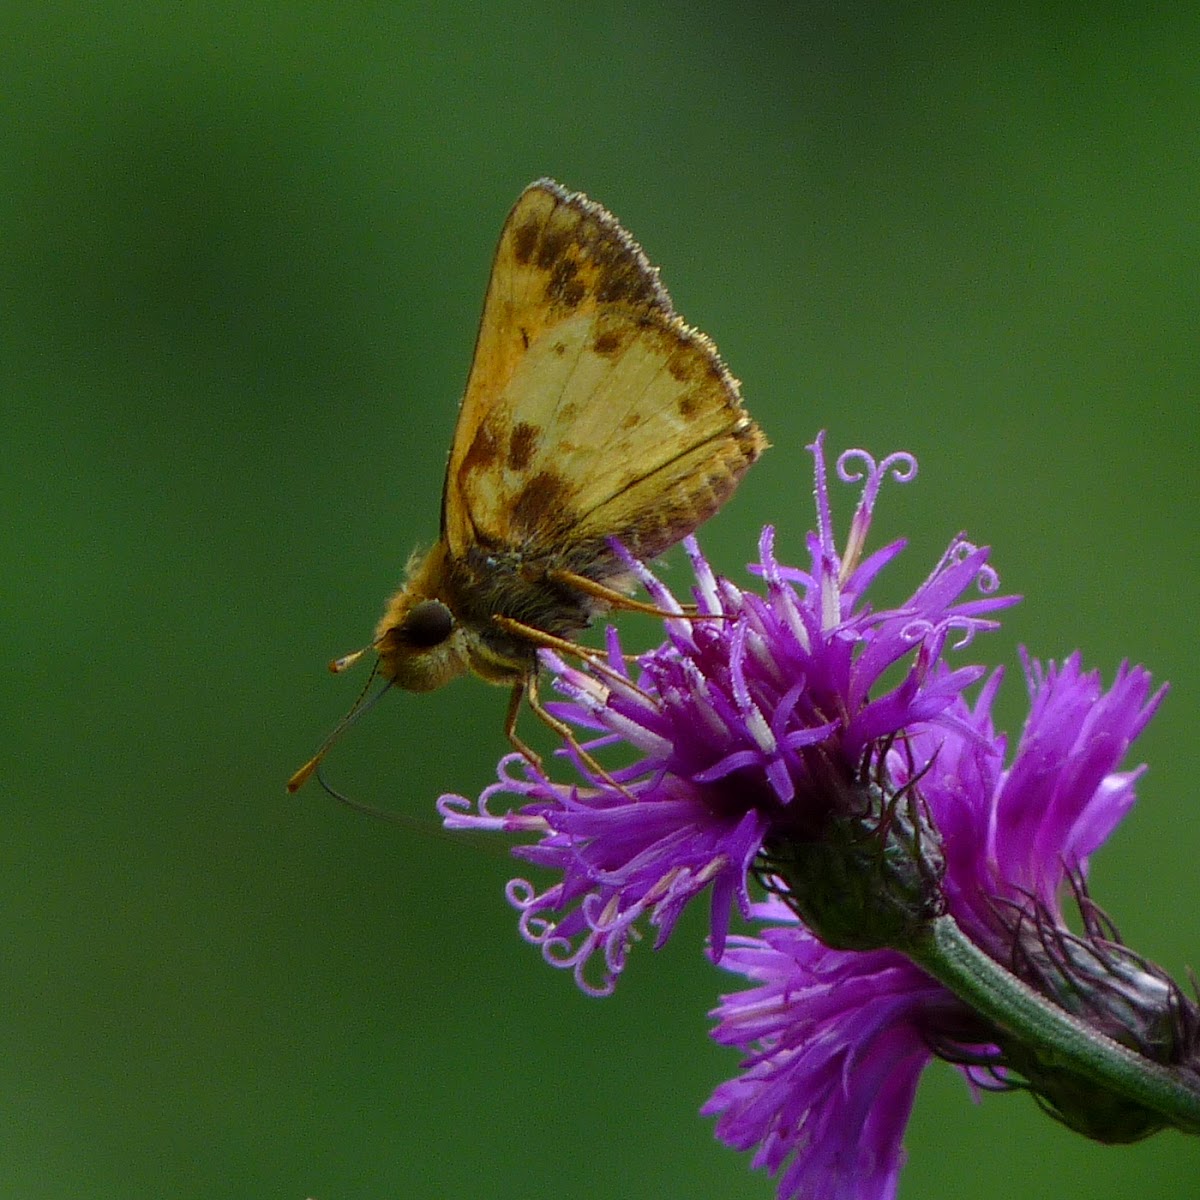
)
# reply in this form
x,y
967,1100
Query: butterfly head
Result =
x,y
420,643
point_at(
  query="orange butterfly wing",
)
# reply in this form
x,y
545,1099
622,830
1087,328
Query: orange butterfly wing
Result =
x,y
591,410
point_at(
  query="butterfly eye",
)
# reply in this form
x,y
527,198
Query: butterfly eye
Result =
x,y
428,624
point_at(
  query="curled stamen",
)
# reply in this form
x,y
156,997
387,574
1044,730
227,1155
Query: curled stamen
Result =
x,y
901,466
987,579
849,474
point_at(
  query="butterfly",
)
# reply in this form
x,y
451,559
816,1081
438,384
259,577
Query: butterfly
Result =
x,y
592,413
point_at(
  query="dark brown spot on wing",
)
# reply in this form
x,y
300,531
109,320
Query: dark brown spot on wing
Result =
x,y
541,503
696,361
624,280
607,343
683,367
689,404
553,246
564,271
484,450
563,287
522,444
525,239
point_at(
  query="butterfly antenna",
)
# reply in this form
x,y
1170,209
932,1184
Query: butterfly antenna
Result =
x,y
360,706
338,665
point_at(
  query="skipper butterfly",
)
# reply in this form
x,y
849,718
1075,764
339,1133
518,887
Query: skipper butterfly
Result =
x,y
592,413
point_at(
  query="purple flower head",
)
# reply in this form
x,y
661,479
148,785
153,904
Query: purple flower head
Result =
x,y
752,724
1017,833
836,1041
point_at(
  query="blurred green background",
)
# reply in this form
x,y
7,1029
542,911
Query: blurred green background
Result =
x,y
243,257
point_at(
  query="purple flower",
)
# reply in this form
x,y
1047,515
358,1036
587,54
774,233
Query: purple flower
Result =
x,y
763,730
1016,834
837,1045
837,1040
751,724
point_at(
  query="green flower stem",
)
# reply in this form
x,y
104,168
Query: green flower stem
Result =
x,y
952,959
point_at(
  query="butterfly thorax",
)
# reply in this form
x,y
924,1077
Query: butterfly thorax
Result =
x,y
441,623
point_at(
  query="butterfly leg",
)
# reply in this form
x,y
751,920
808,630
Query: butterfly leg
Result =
x,y
527,752
539,637
619,600
567,734
527,689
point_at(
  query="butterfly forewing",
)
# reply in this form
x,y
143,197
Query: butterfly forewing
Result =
x,y
591,410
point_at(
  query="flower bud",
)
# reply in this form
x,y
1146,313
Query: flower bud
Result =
x,y
869,879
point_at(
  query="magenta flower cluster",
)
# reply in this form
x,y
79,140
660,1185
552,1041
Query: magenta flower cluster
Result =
x,y
752,722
